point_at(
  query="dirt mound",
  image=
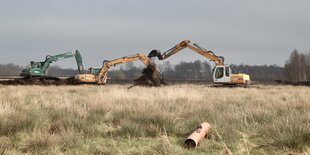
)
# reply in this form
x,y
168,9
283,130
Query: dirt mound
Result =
x,y
151,77
39,81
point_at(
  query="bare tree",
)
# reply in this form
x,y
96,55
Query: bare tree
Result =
x,y
297,67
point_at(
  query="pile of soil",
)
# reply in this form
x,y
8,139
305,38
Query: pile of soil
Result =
x,y
151,77
39,81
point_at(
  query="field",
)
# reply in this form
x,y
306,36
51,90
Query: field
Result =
x,y
112,119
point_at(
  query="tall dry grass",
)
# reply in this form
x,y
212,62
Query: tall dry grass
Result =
x,y
116,120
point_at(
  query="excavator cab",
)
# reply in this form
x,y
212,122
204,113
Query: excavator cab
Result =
x,y
94,71
221,74
33,70
35,64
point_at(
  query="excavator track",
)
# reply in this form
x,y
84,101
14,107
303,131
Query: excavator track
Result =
x,y
229,86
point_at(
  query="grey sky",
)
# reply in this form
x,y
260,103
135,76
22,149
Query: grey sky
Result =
x,y
243,31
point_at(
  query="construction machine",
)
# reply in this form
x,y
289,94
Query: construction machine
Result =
x,y
99,75
38,69
221,72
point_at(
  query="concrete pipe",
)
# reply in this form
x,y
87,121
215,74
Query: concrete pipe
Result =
x,y
197,136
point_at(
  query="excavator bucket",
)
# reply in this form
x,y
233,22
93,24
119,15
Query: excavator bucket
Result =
x,y
155,53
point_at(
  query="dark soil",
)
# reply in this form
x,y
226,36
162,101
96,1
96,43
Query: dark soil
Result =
x,y
302,83
151,77
39,81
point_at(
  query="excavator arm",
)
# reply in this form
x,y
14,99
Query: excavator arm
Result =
x,y
218,60
107,64
50,59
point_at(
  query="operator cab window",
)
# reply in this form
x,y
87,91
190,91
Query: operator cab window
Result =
x,y
219,73
227,71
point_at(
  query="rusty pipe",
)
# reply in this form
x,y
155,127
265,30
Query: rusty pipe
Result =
x,y
198,135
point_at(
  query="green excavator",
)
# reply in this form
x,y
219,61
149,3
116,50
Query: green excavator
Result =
x,y
38,69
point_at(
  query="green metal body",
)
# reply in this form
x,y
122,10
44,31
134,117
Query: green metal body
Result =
x,y
38,69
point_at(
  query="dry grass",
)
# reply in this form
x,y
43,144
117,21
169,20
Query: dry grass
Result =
x,y
115,120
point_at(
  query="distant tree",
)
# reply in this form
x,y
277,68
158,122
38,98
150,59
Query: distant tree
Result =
x,y
308,66
260,73
206,71
58,71
193,70
292,67
166,66
182,70
197,66
303,67
10,69
132,71
116,74
297,67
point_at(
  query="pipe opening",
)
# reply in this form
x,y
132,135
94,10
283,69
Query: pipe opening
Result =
x,y
189,143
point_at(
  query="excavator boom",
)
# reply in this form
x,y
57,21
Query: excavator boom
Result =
x,y
218,60
107,64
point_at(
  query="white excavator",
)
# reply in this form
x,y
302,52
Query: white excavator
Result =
x,y
221,72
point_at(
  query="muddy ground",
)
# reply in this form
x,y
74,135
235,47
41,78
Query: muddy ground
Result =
x,y
39,81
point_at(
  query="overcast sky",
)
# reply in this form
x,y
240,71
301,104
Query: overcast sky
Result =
x,y
254,32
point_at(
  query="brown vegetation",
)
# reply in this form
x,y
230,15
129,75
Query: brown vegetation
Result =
x,y
114,120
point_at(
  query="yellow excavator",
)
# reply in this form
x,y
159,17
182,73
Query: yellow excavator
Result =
x,y
99,75
221,72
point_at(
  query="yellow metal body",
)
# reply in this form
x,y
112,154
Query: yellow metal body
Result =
x,y
240,78
86,78
101,78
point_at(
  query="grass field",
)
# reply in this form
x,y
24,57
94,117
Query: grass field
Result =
x,y
115,120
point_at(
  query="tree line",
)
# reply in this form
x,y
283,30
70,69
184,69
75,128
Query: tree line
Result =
x,y
296,69
200,70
